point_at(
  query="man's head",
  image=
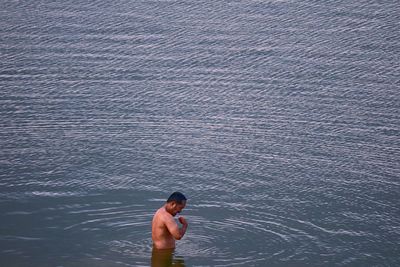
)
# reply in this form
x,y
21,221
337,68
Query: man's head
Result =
x,y
175,203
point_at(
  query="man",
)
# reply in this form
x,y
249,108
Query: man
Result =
x,y
164,228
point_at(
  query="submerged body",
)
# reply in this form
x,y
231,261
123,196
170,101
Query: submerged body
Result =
x,y
166,258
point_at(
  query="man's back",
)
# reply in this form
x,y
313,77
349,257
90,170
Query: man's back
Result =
x,y
162,238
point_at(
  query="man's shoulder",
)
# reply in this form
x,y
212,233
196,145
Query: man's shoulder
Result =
x,y
163,214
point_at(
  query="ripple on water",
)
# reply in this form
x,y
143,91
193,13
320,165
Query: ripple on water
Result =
x,y
222,230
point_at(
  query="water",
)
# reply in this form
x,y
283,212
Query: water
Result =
x,y
279,120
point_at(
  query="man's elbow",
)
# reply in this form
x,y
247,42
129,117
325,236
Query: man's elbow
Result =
x,y
178,237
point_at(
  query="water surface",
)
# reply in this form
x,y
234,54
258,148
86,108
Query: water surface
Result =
x,y
279,120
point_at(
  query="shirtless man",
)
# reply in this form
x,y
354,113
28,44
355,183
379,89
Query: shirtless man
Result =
x,y
164,228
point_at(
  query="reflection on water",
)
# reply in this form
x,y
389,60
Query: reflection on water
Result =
x,y
166,258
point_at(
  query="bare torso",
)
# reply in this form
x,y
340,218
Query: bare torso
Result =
x,y
162,238
165,229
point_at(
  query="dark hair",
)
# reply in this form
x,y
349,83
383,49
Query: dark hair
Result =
x,y
178,197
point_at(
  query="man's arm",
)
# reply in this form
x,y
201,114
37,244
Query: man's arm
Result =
x,y
173,227
184,223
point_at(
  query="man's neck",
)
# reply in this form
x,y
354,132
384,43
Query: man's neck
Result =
x,y
167,209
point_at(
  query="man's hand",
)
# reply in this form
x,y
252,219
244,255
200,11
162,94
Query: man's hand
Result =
x,y
182,220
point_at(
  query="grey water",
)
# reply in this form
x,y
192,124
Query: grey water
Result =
x,y
278,119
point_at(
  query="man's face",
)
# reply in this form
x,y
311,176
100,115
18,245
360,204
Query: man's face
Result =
x,y
177,208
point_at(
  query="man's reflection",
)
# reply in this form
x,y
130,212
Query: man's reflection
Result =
x,y
165,258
